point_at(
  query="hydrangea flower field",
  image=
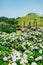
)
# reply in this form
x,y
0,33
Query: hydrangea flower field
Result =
x,y
25,48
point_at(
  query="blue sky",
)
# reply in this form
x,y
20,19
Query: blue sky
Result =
x,y
17,8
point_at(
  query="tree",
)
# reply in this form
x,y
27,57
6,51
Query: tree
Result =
x,y
29,24
24,24
34,22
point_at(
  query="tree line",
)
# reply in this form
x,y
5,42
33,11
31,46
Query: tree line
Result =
x,y
8,24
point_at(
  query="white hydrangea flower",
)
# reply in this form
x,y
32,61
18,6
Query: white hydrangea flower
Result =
x,y
16,55
5,59
27,51
41,46
12,39
22,38
40,40
25,56
14,58
23,60
16,37
14,63
33,63
18,58
23,47
31,56
24,43
28,43
26,35
34,47
38,58
40,51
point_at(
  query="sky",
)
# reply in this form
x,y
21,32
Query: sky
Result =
x,y
19,8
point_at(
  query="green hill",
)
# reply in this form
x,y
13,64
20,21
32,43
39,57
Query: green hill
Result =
x,y
30,17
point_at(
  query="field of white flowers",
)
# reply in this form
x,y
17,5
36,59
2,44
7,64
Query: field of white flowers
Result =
x,y
25,48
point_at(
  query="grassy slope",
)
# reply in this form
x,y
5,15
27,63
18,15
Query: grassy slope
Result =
x,y
30,17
